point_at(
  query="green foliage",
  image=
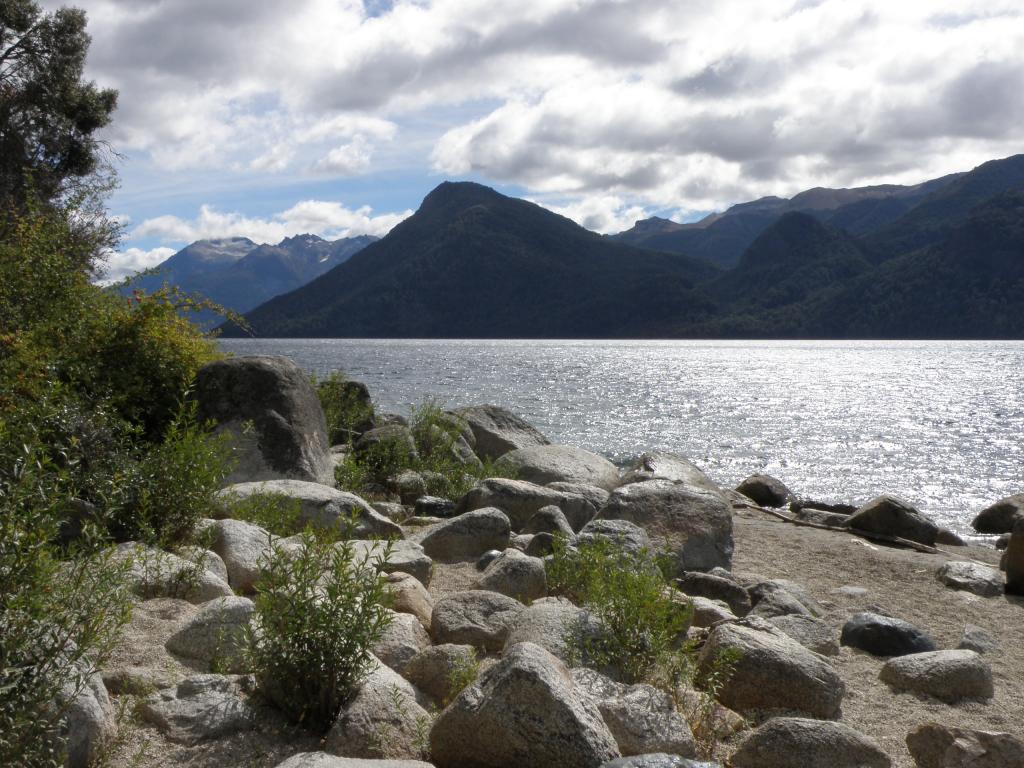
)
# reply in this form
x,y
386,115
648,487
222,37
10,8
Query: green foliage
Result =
x,y
274,512
346,406
643,624
463,674
60,614
319,610
49,115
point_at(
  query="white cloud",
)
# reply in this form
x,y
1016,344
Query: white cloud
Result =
x,y
346,160
328,219
121,264
605,214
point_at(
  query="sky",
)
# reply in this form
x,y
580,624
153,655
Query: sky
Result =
x,y
266,119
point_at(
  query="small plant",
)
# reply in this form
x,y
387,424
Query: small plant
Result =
x,y
319,610
463,674
703,715
643,629
347,408
279,514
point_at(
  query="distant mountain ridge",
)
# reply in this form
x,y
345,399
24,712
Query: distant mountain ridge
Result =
x,y
239,274
943,259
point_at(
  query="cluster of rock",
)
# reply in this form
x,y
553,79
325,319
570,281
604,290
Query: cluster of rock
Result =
x,y
532,703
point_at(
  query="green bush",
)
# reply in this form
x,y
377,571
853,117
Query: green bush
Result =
x,y
60,614
643,622
346,406
319,611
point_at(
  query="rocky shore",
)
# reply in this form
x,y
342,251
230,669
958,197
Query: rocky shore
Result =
x,y
862,636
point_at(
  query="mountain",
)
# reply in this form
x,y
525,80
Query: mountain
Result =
x,y
721,238
474,263
239,274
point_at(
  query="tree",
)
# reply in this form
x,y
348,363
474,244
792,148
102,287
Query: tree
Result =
x,y
49,115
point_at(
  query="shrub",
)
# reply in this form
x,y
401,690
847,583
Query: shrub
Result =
x,y
319,611
643,627
60,615
346,406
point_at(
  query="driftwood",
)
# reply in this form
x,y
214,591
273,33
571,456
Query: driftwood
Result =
x,y
863,534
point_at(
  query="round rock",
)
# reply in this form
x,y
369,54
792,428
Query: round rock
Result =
x,y
885,636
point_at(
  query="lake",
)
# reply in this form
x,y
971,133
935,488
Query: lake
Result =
x,y
940,424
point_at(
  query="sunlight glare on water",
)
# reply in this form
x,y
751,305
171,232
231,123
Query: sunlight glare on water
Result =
x,y
938,423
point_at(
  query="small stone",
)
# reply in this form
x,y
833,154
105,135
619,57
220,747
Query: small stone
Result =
x,y
766,491
487,558
434,506
978,640
478,618
517,575
794,742
971,577
200,708
467,536
939,746
885,636
950,676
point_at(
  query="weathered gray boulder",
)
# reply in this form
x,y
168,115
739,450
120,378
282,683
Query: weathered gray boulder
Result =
x,y
437,669
497,431
796,742
707,612
467,536
821,517
767,491
402,556
515,574
549,519
89,724
478,618
206,559
594,495
692,522
1013,560
813,634
324,760
773,671
976,639
543,464
433,506
154,573
885,636
541,545
1000,517
629,536
554,624
642,719
200,708
660,465
322,507
382,720
716,587
268,406
950,676
771,599
940,746
521,500
216,634
403,639
408,485
244,548
408,595
971,577
525,710
894,517
658,760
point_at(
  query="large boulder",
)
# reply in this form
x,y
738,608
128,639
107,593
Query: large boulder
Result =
x,y
525,710
403,638
437,670
322,507
626,535
409,595
890,516
660,465
1013,560
268,405
716,587
200,708
971,577
515,574
402,556
496,431
543,464
950,676
521,500
1000,517
941,746
693,523
244,548
772,672
643,719
885,635
766,491
553,623
813,634
796,742
549,519
467,536
596,496
217,634
382,720
478,618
